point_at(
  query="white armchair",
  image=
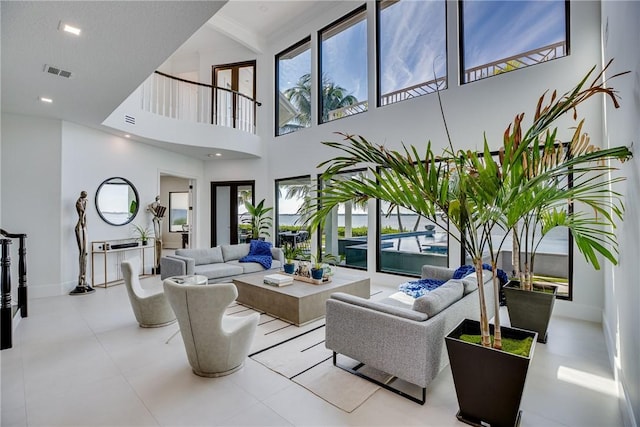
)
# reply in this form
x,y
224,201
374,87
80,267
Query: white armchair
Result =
x,y
216,344
150,307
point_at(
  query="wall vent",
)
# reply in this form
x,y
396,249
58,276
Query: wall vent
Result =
x,y
57,71
129,119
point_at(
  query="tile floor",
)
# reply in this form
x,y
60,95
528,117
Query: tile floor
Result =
x,y
83,361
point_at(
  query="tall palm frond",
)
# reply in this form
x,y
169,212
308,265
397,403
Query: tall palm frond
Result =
x,y
478,192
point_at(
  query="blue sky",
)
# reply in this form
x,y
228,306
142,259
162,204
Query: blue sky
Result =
x,y
413,44
344,59
292,69
499,29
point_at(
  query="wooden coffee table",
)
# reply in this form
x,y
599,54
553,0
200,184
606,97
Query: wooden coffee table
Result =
x,y
301,302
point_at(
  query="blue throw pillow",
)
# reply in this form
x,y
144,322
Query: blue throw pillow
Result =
x,y
260,247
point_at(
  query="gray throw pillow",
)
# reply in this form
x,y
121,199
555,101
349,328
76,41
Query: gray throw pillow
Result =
x,y
233,252
469,285
202,256
435,301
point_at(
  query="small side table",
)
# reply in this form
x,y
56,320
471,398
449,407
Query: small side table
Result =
x,y
195,279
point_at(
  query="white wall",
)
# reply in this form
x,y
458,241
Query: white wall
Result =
x,y
31,196
621,319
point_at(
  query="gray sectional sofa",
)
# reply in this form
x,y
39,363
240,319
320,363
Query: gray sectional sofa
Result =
x,y
403,336
218,264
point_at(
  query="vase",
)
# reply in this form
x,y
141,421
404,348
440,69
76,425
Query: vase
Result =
x,y
317,273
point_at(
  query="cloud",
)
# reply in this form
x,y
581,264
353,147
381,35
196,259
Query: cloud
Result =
x,y
412,42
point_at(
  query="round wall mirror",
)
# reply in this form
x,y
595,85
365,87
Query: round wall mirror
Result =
x,y
117,201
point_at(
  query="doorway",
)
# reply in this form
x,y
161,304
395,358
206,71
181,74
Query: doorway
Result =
x,y
233,101
228,214
176,193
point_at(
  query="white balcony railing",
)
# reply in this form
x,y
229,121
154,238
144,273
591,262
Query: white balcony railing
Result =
x,y
414,91
545,53
197,102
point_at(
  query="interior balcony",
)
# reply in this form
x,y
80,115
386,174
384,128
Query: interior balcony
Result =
x,y
190,117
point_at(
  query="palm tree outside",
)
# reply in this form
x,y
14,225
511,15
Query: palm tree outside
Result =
x,y
334,97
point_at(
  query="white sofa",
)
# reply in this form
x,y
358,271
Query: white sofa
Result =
x,y
218,264
403,336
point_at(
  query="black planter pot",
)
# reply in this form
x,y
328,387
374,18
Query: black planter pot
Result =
x,y
488,382
530,310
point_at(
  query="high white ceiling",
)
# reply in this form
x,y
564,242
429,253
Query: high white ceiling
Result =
x,y
121,44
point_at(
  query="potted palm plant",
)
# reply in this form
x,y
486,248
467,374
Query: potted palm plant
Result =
x,y
142,233
478,193
259,220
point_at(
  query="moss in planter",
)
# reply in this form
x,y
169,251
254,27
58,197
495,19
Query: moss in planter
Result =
x,y
517,347
541,287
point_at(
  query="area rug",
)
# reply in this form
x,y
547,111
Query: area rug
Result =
x,y
271,331
305,361
338,387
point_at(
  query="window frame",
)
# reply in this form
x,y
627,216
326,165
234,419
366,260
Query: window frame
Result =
x,y
292,48
379,93
336,24
461,49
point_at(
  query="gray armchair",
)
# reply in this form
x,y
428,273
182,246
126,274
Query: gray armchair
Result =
x,y
216,344
150,307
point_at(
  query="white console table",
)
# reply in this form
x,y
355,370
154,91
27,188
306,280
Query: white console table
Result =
x,y
104,251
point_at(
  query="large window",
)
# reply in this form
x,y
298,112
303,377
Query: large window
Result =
x,y
291,195
407,241
343,67
412,49
345,230
293,88
501,36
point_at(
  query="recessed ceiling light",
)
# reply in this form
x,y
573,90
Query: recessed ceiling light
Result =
x,y
47,100
69,29
218,154
127,135
214,155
